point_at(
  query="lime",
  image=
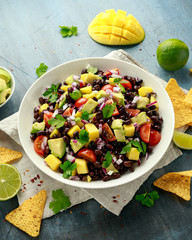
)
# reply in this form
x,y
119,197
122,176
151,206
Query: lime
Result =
x,y
172,54
10,181
182,140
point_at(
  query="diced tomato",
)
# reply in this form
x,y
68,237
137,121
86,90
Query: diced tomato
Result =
x,y
116,112
145,132
155,137
108,86
38,145
107,74
126,84
117,70
47,116
81,84
87,154
80,102
68,112
107,133
133,112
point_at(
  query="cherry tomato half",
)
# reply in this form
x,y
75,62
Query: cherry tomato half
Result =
x,y
116,112
107,74
38,145
68,112
108,86
47,116
80,102
87,154
133,112
145,132
107,133
126,84
155,137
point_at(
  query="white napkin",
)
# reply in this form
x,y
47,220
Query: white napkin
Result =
x,y
34,180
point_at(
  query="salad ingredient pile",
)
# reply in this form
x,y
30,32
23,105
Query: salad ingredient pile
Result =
x,y
5,85
96,126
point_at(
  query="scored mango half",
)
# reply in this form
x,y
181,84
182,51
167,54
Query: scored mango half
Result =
x,y
113,28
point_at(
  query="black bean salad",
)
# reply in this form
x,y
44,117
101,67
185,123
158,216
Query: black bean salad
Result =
x,y
96,126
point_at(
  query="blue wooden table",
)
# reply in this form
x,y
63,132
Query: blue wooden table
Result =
x,y
29,36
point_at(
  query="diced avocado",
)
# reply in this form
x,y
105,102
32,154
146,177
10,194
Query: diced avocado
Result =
x,y
144,90
118,98
82,167
89,178
5,75
101,94
63,101
142,102
122,88
86,90
141,118
120,135
53,162
43,107
72,130
78,122
76,145
111,168
57,147
89,77
3,85
133,154
4,94
92,130
117,124
76,94
54,132
89,106
69,80
129,130
36,127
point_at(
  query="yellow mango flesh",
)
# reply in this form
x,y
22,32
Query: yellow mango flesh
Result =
x,y
113,28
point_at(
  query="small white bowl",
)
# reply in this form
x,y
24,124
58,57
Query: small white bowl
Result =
x,y
12,86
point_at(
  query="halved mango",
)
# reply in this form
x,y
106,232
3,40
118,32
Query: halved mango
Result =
x,y
113,28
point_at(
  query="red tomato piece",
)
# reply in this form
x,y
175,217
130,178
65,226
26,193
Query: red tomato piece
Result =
x,y
47,116
117,70
81,84
145,132
116,112
68,112
37,145
80,102
107,74
108,86
133,112
87,154
107,133
126,83
155,137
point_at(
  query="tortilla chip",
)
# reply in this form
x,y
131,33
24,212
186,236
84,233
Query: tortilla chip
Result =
x,y
8,155
28,216
183,112
175,183
186,173
174,90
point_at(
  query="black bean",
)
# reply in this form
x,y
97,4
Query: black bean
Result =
x,y
116,175
96,172
155,113
41,133
127,164
84,71
133,105
152,107
95,178
41,100
149,95
66,139
154,118
38,119
97,87
65,131
106,178
78,86
33,136
149,149
47,149
36,110
59,86
127,122
122,110
76,134
70,90
149,113
101,121
139,81
36,115
157,127
60,170
136,87
91,174
121,156
98,152
109,146
60,91
99,115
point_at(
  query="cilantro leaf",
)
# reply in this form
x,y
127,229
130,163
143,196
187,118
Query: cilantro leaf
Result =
x,y
154,195
126,148
60,202
41,69
144,146
68,31
83,136
137,145
75,94
67,168
108,110
147,199
92,69
108,159
57,122
140,197
86,116
117,80
52,93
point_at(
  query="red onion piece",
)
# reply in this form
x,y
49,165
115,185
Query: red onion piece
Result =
x,y
70,158
104,170
74,140
150,104
74,178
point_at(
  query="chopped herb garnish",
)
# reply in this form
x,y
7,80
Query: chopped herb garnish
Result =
x,y
52,93
117,80
92,69
126,148
86,115
108,110
147,199
108,159
57,122
68,31
144,146
41,69
83,137
136,144
75,94
67,168
60,202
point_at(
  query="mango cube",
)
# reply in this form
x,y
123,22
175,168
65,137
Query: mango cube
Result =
x,y
53,162
55,132
152,99
92,130
133,154
129,130
89,77
65,87
81,166
74,172
89,178
144,90
86,89
89,95
73,129
43,107
78,114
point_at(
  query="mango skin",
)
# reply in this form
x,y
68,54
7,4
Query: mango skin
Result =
x,y
113,28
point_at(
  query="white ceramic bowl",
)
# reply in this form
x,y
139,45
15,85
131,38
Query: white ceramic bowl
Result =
x,y
12,86
58,74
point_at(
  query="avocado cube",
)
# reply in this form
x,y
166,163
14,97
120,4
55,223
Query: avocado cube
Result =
x,y
92,130
65,87
4,94
63,101
144,90
72,130
120,135
142,102
129,130
43,107
89,77
86,90
117,124
141,118
78,122
5,75
53,162
133,154
69,80
101,94
3,85
57,147
81,166
118,98
89,106
36,127
76,145
111,168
